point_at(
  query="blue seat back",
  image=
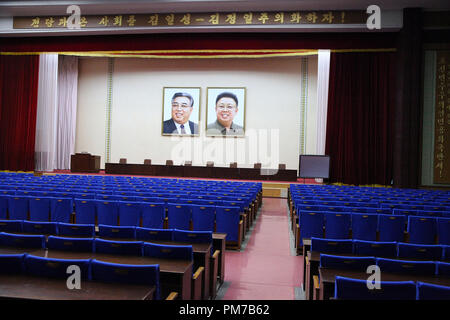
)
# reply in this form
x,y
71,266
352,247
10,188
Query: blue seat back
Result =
x,y
443,269
337,225
419,251
375,248
422,230
443,230
446,253
341,262
107,212
179,216
118,247
85,211
153,215
71,230
148,234
124,232
55,268
364,226
168,251
39,209
10,225
331,245
61,209
126,273
406,267
18,207
22,240
70,244
3,206
192,236
40,227
428,291
12,263
130,213
356,289
391,227
227,221
311,225
203,218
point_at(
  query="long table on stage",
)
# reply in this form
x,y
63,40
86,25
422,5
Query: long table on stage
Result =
x,y
201,172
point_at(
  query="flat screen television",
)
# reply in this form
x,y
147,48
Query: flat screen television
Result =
x,y
314,166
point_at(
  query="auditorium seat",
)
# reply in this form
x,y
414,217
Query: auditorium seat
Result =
x,y
203,217
422,230
228,221
176,252
12,263
76,230
375,248
442,268
3,207
147,161
61,209
391,227
335,246
443,230
39,227
125,232
153,215
39,209
179,216
22,241
107,212
129,213
346,263
419,251
407,267
337,225
311,225
55,268
10,225
364,226
148,234
118,247
429,291
18,207
70,244
85,211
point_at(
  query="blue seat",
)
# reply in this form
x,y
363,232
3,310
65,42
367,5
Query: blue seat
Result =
x,y
406,267
203,217
422,230
391,227
70,244
337,225
10,225
311,225
124,232
12,263
130,213
168,251
118,247
126,273
148,234
85,211
71,230
61,209
442,268
375,248
445,253
356,289
18,207
364,226
227,221
342,262
39,209
107,213
55,268
419,251
22,241
428,291
179,216
40,227
153,215
3,206
332,245
443,230
193,236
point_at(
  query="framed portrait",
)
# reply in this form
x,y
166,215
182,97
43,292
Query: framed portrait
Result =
x,y
181,111
225,112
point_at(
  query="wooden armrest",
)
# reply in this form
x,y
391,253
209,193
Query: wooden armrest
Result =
x,y
306,260
316,288
216,254
198,273
316,282
172,296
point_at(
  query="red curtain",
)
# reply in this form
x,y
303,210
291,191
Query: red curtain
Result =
x,y
359,136
18,104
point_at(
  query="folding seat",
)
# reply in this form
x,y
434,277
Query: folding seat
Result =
x,y
18,207
54,268
148,234
422,230
442,268
193,236
443,230
428,291
83,195
356,289
445,253
406,267
311,225
12,263
130,213
107,212
40,227
10,225
227,221
153,215
76,230
337,246
85,211
203,217
118,247
123,232
3,206
126,273
337,225
364,226
61,209
419,251
346,263
178,252
179,216
375,248
70,244
391,227
22,240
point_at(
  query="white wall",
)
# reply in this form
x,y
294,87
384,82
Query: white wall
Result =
x,y
272,110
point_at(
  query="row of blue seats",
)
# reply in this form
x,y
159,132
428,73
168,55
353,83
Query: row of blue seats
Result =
x,y
421,230
381,249
105,231
357,289
90,270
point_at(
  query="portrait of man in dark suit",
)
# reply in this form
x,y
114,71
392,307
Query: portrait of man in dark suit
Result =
x,y
181,107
